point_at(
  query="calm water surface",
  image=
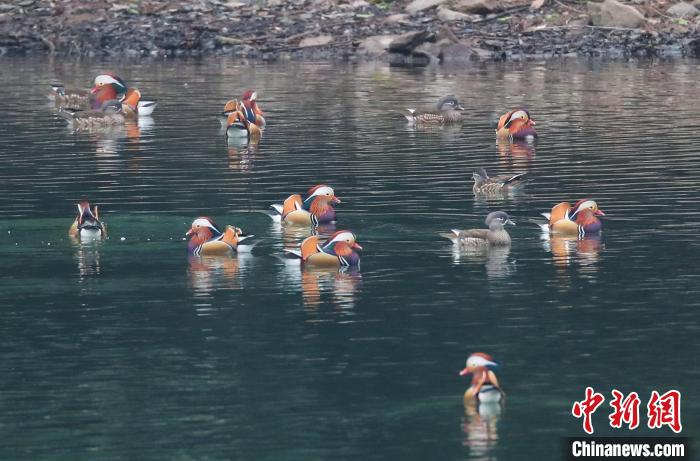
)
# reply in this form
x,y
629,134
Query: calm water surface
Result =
x,y
129,350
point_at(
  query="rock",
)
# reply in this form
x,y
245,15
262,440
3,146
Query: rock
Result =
x,y
401,18
612,13
407,42
321,40
376,45
460,53
447,15
537,4
419,5
477,6
683,10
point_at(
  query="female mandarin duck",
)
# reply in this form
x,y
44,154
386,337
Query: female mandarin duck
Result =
x,y
489,185
516,125
87,224
448,111
495,235
251,109
314,210
108,116
580,219
339,250
206,239
485,386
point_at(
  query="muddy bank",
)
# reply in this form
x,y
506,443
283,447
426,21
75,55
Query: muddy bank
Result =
x,y
401,32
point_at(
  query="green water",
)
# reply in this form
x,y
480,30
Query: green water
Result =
x,y
128,349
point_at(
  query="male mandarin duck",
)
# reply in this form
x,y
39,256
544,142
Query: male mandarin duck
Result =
x,y
231,106
206,239
87,224
495,235
516,125
484,386
251,109
108,116
315,209
580,219
489,185
339,250
448,111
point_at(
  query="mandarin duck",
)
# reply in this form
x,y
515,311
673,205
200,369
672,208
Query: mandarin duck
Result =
x,y
578,220
516,125
87,225
484,387
251,109
491,185
315,209
448,111
495,235
207,239
108,116
231,106
338,251
238,127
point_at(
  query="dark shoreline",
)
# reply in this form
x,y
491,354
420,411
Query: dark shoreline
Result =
x,y
324,30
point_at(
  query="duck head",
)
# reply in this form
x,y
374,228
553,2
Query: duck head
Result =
x,y
202,230
87,218
497,219
449,102
249,95
344,237
103,80
479,361
586,204
518,123
324,192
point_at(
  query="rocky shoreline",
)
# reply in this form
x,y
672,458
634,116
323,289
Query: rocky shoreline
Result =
x,y
419,32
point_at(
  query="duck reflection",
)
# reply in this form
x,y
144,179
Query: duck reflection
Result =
x,y
341,284
241,158
292,236
516,154
209,273
494,259
480,428
87,255
584,251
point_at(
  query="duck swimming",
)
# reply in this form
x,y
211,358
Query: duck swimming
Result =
x,y
339,250
207,239
485,386
516,125
315,209
578,220
493,185
87,225
495,235
448,111
84,99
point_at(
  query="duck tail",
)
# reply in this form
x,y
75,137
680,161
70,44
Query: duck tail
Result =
x,y
296,254
409,114
515,178
543,225
452,235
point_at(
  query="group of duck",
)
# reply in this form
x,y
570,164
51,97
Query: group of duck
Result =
x,y
111,101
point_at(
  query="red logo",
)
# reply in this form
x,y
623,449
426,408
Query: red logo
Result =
x,y
662,410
